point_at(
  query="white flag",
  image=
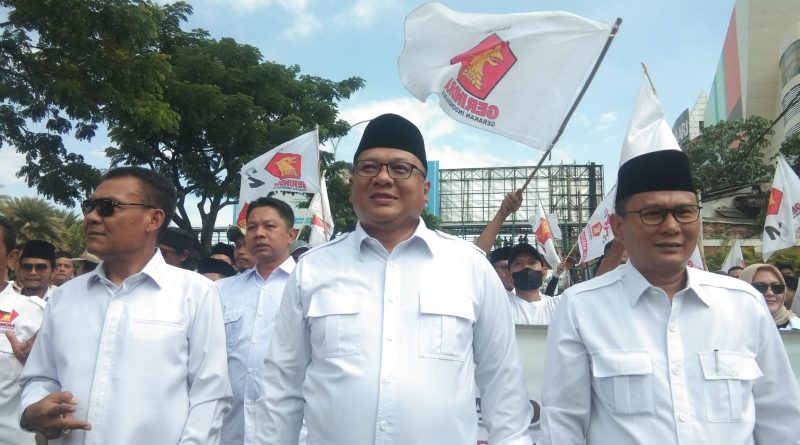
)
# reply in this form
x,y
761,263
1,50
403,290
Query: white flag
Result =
x,y
783,211
734,258
511,74
290,167
647,131
321,218
597,233
696,260
545,243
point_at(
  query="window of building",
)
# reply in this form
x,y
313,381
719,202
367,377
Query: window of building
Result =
x,y
790,63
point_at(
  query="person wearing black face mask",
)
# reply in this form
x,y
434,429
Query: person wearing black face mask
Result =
x,y
527,270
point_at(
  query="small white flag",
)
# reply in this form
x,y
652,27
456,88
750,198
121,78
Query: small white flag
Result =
x,y
597,233
290,167
783,211
648,130
321,218
545,243
696,260
511,74
734,258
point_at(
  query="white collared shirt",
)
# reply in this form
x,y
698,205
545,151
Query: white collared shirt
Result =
x,y
23,316
624,366
249,305
386,349
146,360
533,312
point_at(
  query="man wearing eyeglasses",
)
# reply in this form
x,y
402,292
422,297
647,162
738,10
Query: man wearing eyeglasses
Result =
x,y
384,334
36,264
659,352
134,351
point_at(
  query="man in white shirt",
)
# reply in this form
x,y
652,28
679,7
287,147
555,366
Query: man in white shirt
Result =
x,y
133,352
384,334
526,268
20,317
250,303
658,352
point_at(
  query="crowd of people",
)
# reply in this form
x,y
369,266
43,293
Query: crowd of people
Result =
x,y
385,334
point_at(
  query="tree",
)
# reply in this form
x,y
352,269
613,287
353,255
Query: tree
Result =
x,y
730,153
191,107
67,66
790,149
35,218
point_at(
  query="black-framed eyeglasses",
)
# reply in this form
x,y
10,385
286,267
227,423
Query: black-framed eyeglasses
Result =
x,y
105,206
396,169
777,288
40,267
653,216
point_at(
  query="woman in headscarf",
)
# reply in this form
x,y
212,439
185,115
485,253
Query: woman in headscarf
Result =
x,y
769,282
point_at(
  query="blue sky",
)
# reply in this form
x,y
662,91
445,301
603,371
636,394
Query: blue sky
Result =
x,y
679,40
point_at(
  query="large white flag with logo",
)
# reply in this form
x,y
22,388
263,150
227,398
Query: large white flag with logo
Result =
x,y
545,243
321,217
783,210
734,258
511,74
597,232
290,167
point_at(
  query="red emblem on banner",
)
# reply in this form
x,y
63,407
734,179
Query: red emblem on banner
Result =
x,y
543,232
597,228
285,166
484,66
775,197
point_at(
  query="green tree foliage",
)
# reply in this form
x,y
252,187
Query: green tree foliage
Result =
x,y
68,65
730,153
790,149
35,218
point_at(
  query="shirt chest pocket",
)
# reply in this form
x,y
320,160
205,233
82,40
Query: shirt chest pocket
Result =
x,y
623,381
728,385
445,326
233,326
335,324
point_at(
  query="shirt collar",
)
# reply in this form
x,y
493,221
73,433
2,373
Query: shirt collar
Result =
x,y
154,269
287,266
636,284
426,237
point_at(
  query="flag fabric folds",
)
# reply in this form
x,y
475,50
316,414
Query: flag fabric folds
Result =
x,y
696,260
545,243
321,217
511,74
597,232
734,258
783,210
290,167
648,130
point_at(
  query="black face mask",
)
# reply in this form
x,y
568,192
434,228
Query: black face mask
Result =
x,y
527,279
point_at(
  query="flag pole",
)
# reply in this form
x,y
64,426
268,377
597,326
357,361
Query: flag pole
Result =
x,y
611,36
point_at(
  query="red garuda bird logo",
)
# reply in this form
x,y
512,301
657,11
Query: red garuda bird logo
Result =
x,y
483,66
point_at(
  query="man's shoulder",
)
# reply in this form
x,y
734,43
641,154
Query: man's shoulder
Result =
x,y
328,248
704,280
460,245
597,283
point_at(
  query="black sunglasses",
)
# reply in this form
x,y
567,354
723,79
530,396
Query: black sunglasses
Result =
x,y
40,267
776,288
105,206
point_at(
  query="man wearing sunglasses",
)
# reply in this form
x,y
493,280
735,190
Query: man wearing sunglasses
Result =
x,y
384,334
36,265
655,351
134,351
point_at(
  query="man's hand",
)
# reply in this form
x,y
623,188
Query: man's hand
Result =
x,y
21,349
52,416
561,268
511,203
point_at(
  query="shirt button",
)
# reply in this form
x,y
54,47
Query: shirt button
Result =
x,y
676,371
682,418
673,328
384,425
389,338
255,341
392,264
391,299
259,314
247,402
249,370
387,379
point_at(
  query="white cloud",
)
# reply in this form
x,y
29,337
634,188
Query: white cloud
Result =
x,y
364,12
302,27
609,117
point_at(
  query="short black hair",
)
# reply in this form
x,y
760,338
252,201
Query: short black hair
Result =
x,y
62,254
781,266
159,191
283,209
732,268
9,233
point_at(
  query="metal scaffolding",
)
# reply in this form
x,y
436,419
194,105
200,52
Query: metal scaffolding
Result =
x,y
470,198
